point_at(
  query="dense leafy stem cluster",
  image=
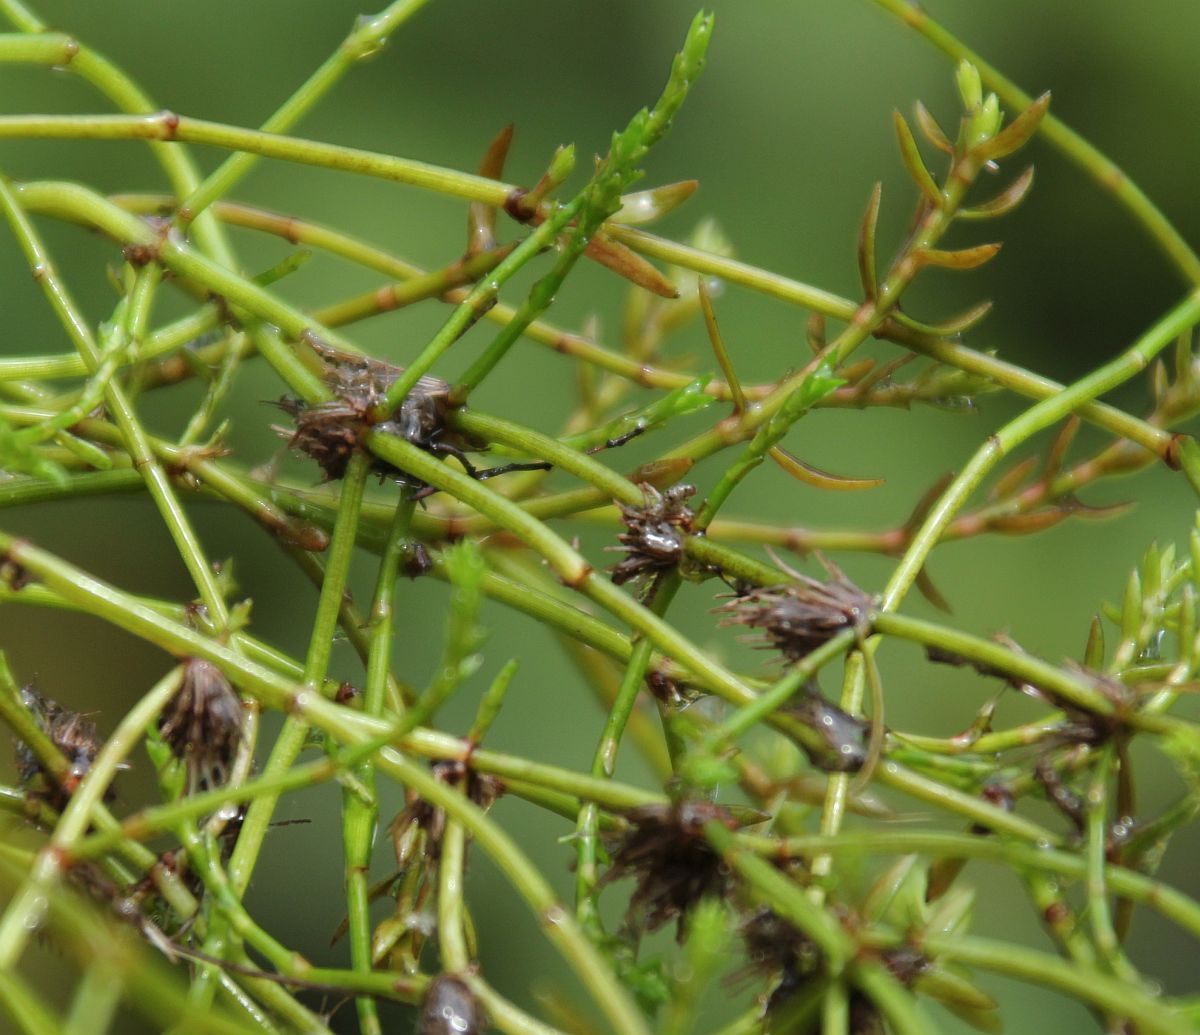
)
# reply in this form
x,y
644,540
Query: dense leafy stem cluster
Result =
x,y
742,853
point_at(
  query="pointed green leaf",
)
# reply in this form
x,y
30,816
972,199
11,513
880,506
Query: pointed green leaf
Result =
x,y
910,154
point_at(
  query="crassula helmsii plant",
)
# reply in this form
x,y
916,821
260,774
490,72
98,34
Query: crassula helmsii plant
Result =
x,y
797,845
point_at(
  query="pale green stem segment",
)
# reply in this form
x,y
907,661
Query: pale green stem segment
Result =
x,y
114,84
611,999
291,740
370,34
477,301
133,317
168,126
604,761
360,817
1051,410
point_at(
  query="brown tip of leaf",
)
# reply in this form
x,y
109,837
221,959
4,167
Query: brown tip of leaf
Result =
x,y
628,264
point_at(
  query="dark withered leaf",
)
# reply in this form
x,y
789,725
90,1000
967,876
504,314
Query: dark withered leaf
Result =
x,y
799,617
71,732
202,724
653,536
674,865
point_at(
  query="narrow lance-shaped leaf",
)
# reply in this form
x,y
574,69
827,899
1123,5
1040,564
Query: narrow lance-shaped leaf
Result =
x,y
814,332
491,702
933,132
1030,522
1093,652
1004,202
1058,449
627,263
931,593
481,218
960,997
961,259
866,244
910,154
562,164
1131,608
1018,132
953,325
814,476
1012,479
1159,382
718,347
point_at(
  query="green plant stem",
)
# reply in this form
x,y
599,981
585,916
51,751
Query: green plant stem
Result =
x,y
478,299
360,818
554,919
604,761
1119,999
1105,378
1108,945
168,126
452,940
533,443
114,84
291,739
1137,887
1073,146
156,480
370,33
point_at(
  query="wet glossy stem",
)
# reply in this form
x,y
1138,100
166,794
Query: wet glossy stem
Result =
x,y
369,35
25,911
604,762
291,739
1097,165
452,941
360,818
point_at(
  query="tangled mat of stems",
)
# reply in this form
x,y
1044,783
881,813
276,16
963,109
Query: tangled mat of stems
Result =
x,y
742,847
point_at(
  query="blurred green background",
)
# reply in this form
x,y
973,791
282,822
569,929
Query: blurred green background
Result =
x,y
787,131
